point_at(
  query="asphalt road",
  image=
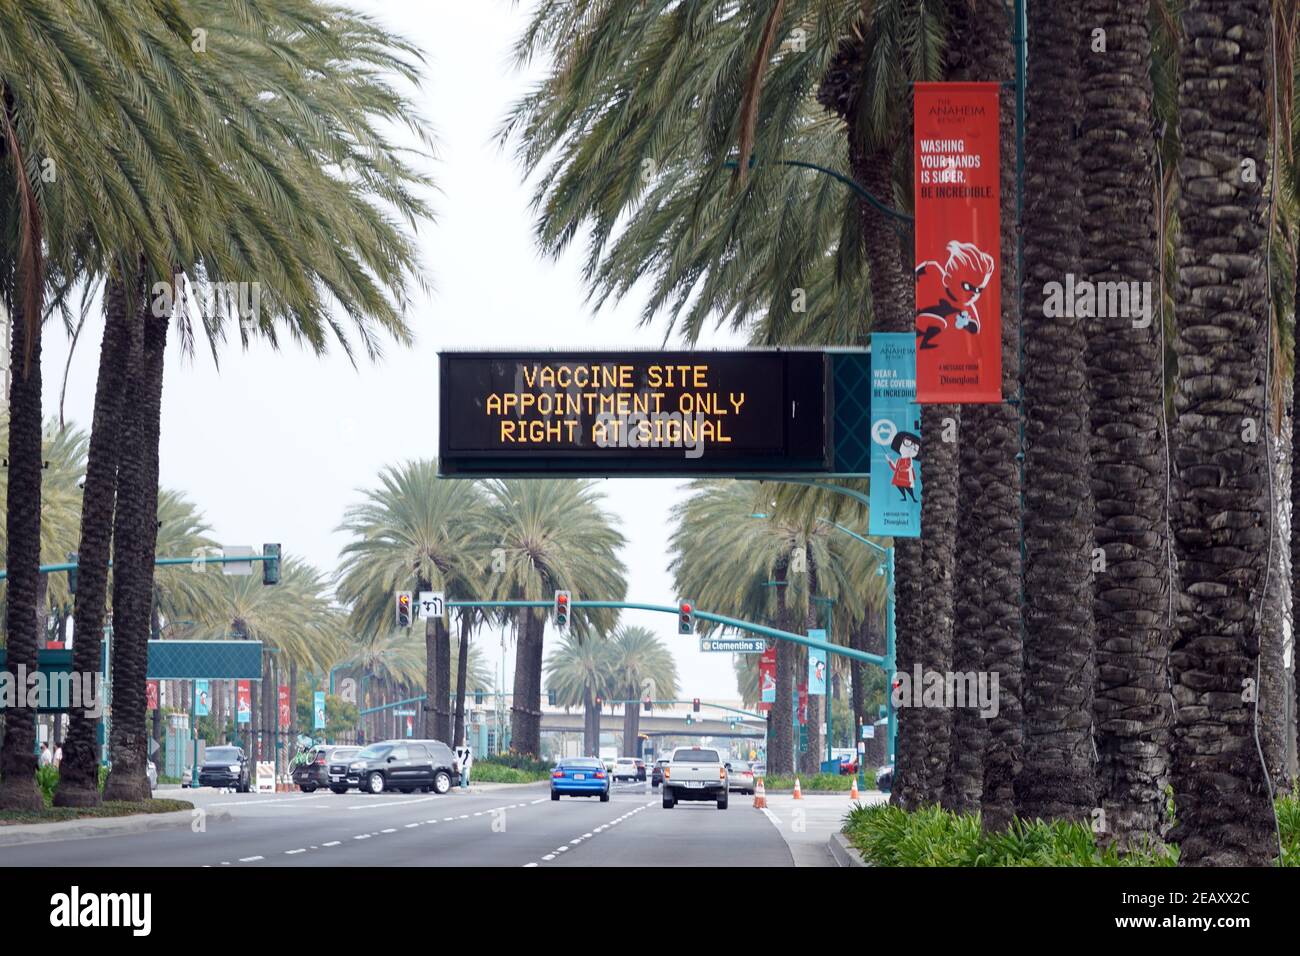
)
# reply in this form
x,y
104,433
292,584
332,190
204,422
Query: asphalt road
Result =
x,y
501,826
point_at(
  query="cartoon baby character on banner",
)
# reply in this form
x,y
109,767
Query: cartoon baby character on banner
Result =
x,y
949,292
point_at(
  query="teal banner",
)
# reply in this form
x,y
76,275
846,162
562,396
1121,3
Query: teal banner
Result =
x,y
895,437
202,698
817,665
318,710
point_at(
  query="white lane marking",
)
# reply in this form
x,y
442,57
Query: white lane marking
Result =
x,y
549,856
540,801
391,803
362,836
411,826
250,859
389,830
527,865
294,852
332,843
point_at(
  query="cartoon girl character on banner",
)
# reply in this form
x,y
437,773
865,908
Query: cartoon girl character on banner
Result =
x,y
908,446
949,292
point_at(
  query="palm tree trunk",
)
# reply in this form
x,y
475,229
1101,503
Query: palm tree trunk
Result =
x,y
939,506
135,534
18,790
964,780
462,672
1129,478
985,54
1221,514
525,712
1058,779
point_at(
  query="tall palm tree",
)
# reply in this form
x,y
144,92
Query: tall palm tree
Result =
x,y
1058,777
550,534
343,245
579,672
1221,514
419,532
640,663
1129,480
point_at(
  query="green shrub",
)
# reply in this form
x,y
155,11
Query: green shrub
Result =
x,y
889,836
525,762
47,778
489,771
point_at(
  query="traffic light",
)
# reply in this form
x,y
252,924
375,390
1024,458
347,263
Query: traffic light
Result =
x,y
550,697
600,701
403,608
271,566
646,704
689,720
478,698
561,610
695,705
73,558
685,618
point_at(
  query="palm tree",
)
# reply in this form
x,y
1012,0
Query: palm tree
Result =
x,y
548,535
418,532
1223,801
579,672
1058,777
641,666
343,245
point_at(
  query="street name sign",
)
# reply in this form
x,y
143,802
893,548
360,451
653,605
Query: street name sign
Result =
x,y
733,645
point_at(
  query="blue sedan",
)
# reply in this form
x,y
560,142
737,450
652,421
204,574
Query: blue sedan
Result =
x,y
580,777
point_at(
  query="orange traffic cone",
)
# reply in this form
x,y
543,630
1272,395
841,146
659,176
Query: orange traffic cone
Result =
x,y
853,794
760,795
798,794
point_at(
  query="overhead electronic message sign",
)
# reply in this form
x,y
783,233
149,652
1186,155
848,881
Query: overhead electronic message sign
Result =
x,y
597,413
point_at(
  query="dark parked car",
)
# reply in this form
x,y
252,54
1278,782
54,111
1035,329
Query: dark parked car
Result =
x,y
315,773
225,766
404,765
885,778
657,774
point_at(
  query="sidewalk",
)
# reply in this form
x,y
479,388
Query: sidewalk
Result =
x,y
809,825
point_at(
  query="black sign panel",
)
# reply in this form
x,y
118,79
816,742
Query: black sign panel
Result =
x,y
600,413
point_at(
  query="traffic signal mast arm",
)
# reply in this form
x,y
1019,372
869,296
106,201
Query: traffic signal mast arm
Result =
x,y
760,629
163,562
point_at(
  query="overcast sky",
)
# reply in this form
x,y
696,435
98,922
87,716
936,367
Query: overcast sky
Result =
x,y
273,446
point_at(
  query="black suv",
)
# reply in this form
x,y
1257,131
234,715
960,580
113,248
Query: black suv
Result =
x,y
404,765
225,766
315,773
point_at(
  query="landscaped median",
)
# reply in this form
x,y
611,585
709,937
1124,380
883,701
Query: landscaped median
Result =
x,y
888,836
47,778
817,783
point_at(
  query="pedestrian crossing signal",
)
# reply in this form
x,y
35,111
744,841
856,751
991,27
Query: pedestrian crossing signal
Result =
x,y
685,618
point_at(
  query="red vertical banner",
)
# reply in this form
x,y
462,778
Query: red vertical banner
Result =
x,y
803,702
767,680
284,706
151,695
957,190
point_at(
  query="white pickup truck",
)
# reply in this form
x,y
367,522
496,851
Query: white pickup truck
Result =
x,y
695,773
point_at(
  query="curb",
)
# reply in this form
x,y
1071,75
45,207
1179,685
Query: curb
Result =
x,y
844,852
90,827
